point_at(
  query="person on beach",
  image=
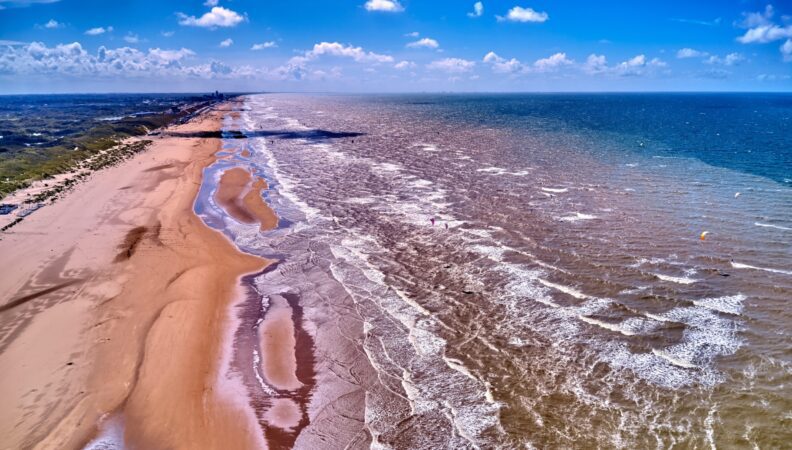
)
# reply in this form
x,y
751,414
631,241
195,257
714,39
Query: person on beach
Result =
x,y
432,219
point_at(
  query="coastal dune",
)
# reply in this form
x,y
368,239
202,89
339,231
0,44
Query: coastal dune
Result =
x,y
114,304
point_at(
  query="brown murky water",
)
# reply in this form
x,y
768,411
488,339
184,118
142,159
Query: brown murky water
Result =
x,y
515,287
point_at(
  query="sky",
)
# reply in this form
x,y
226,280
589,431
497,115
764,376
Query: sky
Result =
x,y
64,46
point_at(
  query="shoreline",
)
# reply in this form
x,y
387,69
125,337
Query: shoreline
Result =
x,y
138,288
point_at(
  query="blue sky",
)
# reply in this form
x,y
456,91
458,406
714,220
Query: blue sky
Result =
x,y
388,45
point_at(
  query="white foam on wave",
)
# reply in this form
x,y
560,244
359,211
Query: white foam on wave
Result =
x,y
607,325
673,360
565,289
470,415
492,170
729,304
769,225
577,216
555,190
737,265
678,280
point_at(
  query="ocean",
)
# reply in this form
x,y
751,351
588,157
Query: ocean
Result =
x,y
530,270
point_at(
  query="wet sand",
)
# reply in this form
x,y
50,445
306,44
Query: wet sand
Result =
x,y
241,197
114,312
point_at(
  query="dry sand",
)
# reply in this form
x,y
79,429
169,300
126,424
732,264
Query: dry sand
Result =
x,y
113,304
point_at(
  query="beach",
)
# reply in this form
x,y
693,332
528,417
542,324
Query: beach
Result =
x,y
119,297
409,271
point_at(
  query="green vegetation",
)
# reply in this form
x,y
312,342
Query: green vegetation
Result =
x,y
31,164
42,136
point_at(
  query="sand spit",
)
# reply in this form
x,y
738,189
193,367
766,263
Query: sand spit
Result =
x,y
240,196
113,300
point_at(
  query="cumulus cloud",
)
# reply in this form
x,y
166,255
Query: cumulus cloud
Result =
x,y
297,67
383,5
729,60
69,61
520,14
452,65
263,45
403,65
478,10
73,59
132,38
765,33
595,64
502,65
53,24
513,66
637,66
762,30
340,50
757,19
211,3
690,53
552,62
226,42
98,30
168,34
425,42
413,34
216,17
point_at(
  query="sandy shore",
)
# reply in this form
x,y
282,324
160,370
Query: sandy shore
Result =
x,y
113,305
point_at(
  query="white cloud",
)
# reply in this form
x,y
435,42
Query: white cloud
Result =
x,y
478,10
132,38
211,2
552,63
786,50
297,67
98,30
413,34
762,30
73,60
425,42
690,53
520,14
169,56
729,60
263,45
502,65
226,42
452,65
595,64
772,77
765,33
168,33
637,66
383,5
757,19
4,42
337,49
216,17
53,24
402,65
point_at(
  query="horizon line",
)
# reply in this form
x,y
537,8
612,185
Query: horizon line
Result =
x,y
395,92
